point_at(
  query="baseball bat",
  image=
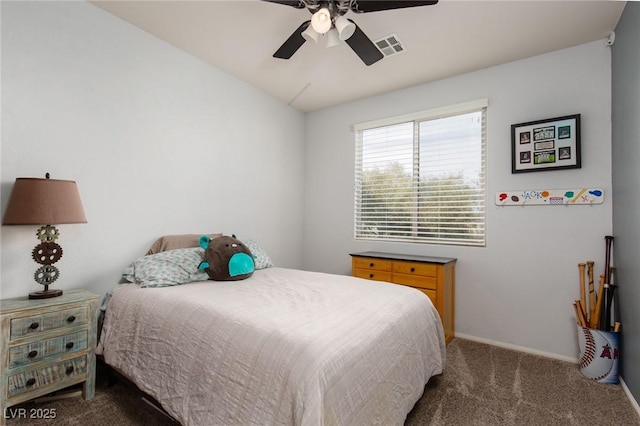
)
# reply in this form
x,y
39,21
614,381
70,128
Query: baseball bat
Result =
x,y
579,317
607,259
604,323
615,314
607,293
613,296
595,322
592,293
575,309
583,295
582,316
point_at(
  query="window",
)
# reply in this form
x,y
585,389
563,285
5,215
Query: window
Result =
x,y
421,177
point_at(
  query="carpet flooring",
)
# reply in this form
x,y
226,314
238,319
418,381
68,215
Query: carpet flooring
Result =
x,y
482,385
488,385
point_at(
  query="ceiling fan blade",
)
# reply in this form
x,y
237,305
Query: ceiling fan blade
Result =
x,y
364,6
363,46
293,43
298,4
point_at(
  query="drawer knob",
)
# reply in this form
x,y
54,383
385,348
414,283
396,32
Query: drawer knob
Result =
x,y
72,318
371,265
34,325
413,269
69,369
370,275
33,354
69,345
31,382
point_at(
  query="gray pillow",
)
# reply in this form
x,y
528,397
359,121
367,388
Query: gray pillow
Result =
x,y
173,242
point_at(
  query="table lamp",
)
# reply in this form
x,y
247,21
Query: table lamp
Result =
x,y
46,202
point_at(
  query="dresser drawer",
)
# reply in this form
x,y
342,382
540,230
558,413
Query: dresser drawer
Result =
x,y
431,294
30,380
21,327
33,352
426,269
372,274
372,263
418,281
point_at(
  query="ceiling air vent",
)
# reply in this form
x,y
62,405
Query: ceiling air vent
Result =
x,y
390,45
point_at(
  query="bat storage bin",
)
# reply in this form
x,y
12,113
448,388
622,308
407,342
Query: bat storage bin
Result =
x,y
599,354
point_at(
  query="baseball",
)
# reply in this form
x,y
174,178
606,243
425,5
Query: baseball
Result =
x,y
599,354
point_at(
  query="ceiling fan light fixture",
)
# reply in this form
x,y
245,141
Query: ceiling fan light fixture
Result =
x,y
345,27
310,34
321,21
327,17
333,38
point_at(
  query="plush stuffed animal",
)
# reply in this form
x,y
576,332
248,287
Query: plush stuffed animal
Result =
x,y
226,258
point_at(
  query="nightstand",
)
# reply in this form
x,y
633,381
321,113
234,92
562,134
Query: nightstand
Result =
x,y
434,276
47,345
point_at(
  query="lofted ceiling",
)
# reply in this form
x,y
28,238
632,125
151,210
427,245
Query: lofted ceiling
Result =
x,y
450,38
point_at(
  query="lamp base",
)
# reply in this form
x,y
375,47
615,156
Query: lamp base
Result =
x,y
45,294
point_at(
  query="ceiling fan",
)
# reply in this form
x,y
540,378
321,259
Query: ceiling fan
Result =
x,y
328,18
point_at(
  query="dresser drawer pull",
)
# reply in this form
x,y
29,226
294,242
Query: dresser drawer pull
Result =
x,y
371,265
69,345
33,354
370,275
72,318
34,325
69,369
413,269
31,382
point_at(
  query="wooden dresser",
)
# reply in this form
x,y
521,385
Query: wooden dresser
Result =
x,y
47,345
434,276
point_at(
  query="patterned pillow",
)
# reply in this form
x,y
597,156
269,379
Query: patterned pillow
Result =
x,y
167,268
260,257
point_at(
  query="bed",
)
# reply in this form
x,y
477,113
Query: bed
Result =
x,y
283,346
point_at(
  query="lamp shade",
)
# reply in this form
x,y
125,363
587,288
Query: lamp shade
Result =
x,y
345,27
321,21
310,34
333,39
35,201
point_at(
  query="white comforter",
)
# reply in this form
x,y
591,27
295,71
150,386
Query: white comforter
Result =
x,y
282,347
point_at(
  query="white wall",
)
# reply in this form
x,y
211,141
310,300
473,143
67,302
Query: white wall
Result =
x,y
158,141
519,289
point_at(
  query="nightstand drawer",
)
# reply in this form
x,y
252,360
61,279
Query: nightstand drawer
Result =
x,y
426,269
47,345
372,274
33,352
21,327
30,380
372,263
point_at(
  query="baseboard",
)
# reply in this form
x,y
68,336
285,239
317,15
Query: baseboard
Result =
x,y
518,348
525,349
633,401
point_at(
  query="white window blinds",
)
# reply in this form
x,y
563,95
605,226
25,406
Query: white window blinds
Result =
x,y
421,177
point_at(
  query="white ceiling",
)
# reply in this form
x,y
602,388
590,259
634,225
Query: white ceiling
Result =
x,y
447,39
